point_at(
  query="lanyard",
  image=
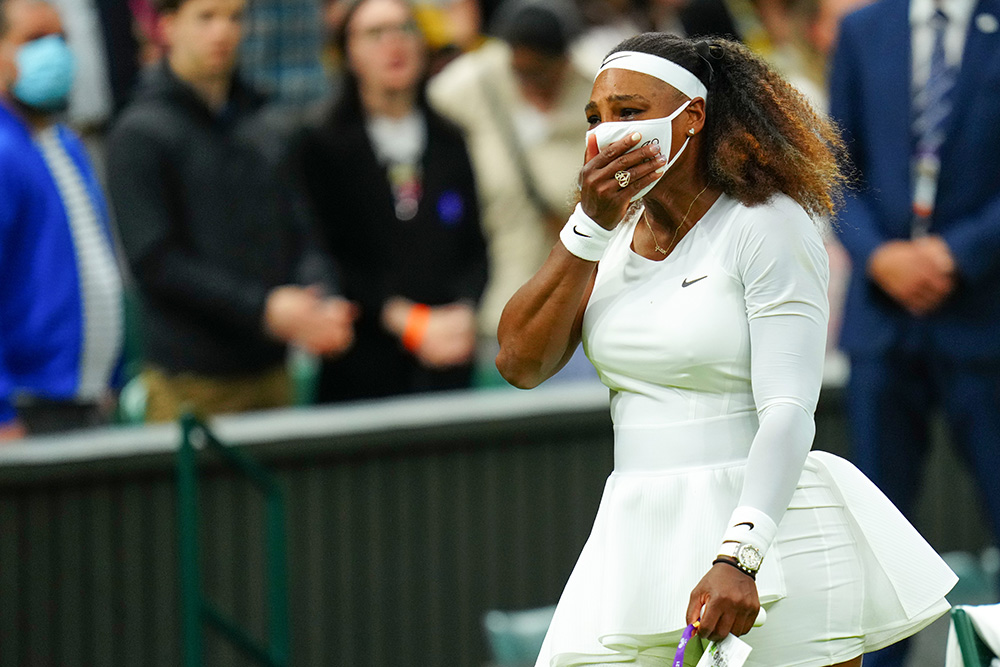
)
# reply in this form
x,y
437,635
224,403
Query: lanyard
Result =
x,y
685,638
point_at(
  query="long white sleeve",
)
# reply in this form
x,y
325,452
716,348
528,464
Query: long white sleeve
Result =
x,y
784,268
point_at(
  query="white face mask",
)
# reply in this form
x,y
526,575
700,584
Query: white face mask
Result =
x,y
654,130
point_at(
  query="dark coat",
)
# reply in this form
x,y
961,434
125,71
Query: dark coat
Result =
x,y
210,224
437,257
871,100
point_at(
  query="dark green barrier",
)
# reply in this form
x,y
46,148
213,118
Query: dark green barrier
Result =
x,y
407,520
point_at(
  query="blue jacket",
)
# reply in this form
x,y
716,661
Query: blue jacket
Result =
x,y
870,98
41,312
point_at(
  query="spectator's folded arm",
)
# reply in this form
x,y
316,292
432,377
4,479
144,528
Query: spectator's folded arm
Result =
x,y
975,243
215,294
139,182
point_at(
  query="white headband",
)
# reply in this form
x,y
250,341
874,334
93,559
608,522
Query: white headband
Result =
x,y
663,69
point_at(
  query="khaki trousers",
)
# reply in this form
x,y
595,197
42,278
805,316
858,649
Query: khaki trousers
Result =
x,y
168,395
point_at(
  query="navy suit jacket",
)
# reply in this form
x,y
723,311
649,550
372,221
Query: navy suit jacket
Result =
x,y
870,98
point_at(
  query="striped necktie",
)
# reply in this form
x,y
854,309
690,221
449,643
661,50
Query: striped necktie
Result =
x,y
932,106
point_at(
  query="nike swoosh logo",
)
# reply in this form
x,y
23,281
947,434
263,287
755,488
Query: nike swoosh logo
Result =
x,y
744,523
579,233
688,283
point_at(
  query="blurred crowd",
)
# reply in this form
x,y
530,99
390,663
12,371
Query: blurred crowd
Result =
x,y
359,183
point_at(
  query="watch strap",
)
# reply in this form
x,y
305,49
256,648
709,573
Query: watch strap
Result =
x,y
750,573
738,551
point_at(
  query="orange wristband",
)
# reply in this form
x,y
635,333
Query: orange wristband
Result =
x,y
416,326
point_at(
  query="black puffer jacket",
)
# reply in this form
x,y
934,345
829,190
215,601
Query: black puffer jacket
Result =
x,y
210,222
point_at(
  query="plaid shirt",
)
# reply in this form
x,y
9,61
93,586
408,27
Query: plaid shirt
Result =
x,y
281,51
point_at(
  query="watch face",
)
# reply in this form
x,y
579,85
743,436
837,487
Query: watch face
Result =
x,y
749,557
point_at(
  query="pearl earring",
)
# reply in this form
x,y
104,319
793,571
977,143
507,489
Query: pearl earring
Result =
x,y
691,131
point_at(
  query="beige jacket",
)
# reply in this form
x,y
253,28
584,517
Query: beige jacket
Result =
x,y
516,234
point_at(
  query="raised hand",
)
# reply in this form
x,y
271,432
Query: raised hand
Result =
x,y
601,194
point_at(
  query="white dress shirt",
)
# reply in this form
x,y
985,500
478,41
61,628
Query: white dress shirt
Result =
x,y
959,13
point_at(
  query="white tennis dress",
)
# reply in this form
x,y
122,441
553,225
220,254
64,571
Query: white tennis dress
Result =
x,y
714,360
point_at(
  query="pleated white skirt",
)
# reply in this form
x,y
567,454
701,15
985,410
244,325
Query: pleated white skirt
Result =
x,y
846,574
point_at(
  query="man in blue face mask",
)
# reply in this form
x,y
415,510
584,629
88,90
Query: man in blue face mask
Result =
x,y
61,324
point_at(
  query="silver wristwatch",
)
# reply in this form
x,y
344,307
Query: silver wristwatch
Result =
x,y
748,557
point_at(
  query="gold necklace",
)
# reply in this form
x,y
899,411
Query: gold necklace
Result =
x,y
677,229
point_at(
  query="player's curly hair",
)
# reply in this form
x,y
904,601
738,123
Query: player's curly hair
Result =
x,y
762,136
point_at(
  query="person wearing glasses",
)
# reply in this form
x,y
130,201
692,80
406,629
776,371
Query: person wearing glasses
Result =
x,y
392,189
694,274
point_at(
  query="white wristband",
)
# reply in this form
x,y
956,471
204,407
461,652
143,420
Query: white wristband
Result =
x,y
749,525
583,237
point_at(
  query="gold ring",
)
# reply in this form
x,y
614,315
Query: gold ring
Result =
x,y
623,177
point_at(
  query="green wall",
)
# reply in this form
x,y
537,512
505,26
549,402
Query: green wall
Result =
x,y
408,519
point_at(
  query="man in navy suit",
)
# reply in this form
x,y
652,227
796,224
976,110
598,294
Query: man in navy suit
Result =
x,y
915,86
